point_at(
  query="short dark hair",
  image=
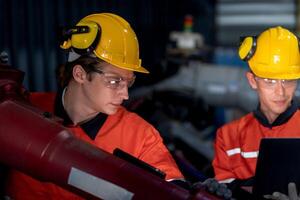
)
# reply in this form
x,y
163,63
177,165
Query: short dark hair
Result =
x,y
65,72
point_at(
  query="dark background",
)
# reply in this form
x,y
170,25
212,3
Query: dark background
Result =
x,y
29,31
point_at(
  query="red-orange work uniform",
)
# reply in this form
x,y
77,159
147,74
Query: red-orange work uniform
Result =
x,y
237,143
124,130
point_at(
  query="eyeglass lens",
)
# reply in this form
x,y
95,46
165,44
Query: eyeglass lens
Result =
x,y
114,81
273,82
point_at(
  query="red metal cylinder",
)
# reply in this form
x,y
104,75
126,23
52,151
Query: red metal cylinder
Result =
x,y
37,145
41,148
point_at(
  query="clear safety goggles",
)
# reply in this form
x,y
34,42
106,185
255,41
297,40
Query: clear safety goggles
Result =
x,y
114,81
271,83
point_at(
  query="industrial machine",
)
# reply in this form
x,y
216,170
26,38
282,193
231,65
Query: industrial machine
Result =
x,y
34,142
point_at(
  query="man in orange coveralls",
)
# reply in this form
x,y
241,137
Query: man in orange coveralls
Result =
x,y
103,56
274,61
96,78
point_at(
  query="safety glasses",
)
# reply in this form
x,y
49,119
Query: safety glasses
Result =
x,y
114,81
271,83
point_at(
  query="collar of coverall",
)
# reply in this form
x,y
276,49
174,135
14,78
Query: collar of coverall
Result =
x,y
281,119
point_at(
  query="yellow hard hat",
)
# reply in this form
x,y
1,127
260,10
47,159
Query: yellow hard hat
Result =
x,y
273,54
109,37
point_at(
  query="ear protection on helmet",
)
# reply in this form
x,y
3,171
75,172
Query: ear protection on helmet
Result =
x,y
247,47
83,38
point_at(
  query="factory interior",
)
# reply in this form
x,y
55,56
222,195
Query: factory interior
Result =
x,y
197,81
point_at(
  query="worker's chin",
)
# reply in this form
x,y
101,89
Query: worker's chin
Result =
x,y
112,110
279,110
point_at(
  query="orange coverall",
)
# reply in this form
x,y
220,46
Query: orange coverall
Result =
x,y
124,130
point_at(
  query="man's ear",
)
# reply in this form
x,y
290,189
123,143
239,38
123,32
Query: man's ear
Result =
x,y
251,80
79,74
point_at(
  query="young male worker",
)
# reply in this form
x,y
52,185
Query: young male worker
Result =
x,y
104,54
274,61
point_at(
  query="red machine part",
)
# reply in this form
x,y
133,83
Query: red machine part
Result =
x,y
31,141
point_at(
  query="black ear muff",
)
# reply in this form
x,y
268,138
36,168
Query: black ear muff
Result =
x,y
82,39
247,47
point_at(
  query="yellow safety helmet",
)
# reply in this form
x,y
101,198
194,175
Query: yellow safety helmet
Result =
x,y
273,54
107,36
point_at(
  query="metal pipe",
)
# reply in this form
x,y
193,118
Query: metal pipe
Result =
x,y
32,142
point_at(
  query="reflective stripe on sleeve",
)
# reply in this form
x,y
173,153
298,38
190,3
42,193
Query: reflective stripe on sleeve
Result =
x,y
231,152
249,154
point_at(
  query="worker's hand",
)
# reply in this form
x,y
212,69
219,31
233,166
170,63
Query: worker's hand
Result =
x,y
292,194
212,186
